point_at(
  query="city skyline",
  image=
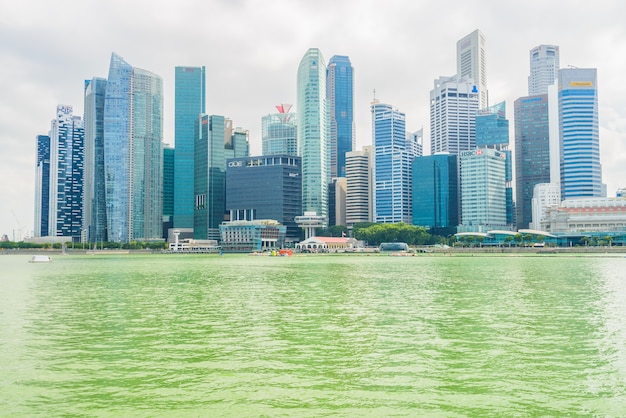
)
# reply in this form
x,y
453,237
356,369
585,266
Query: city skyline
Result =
x,y
399,60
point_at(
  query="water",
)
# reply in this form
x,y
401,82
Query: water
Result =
x,y
314,336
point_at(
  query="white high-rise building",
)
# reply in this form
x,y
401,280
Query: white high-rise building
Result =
x,y
544,68
471,62
358,190
453,106
545,195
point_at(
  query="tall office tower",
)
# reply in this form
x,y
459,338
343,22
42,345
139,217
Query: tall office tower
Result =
x,y
453,106
133,154
169,155
393,154
67,155
492,131
581,172
483,191
42,186
532,152
216,141
279,132
337,201
313,141
435,193
471,62
340,95
544,68
266,187
358,186
189,103
94,206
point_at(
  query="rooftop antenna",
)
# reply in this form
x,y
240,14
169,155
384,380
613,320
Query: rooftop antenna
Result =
x,y
374,100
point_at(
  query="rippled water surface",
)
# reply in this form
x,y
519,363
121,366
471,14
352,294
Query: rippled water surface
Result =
x,y
312,336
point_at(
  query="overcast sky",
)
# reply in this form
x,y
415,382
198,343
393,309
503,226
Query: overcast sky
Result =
x,y
251,50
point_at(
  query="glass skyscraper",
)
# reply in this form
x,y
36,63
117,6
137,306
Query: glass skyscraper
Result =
x,y
189,104
313,140
42,186
340,95
393,153
94,219
133,154
216,141
67,153
168,189
471,62
532,152
280,132
544,68
435,193
581,172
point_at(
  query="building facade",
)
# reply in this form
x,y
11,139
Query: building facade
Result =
x,y
483,191
471,61
133,124
216,141
189,103
265,187
545,195
313,132
544,68
252,236
67,156
168,189
279,132
94,206
358,186
435,193
393,153
337,201
581,172
42,186
603,214
532,152
453,106
340,99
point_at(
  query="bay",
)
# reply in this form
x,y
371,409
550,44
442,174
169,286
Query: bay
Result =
x,y
317,335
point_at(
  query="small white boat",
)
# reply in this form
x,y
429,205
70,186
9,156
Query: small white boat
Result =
x,y
40,259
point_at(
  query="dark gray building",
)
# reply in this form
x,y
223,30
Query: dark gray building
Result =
x,y
265,187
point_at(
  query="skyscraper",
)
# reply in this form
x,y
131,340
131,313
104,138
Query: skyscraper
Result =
x,y
471,62
358,186
216,141
532,152
544,68
483,192
340,95
189,103
279,132
94,214
313,141
133,155
453,106
67,153
169,154
581,172
42,186
393,151
435,193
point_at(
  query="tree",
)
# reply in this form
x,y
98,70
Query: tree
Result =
x,y
508,240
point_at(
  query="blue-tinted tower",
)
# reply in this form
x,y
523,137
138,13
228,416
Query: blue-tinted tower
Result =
x,y
42,186
189,104
340,95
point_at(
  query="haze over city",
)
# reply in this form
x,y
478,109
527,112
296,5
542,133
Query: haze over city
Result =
x,y
251,51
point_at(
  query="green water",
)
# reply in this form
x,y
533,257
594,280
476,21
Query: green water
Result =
x,y
345,336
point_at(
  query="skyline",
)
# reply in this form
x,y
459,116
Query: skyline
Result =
x,y
398,51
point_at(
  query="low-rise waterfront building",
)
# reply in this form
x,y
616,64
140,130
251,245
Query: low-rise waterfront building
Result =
x,y
249,236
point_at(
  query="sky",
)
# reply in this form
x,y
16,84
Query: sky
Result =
x,y
252,48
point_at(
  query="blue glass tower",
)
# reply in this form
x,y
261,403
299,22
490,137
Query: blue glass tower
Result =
x,y
581,172
95,202
189,104
168,189
313,141
42,186
393,155
340,96
532,152
280,132
435,193
133,154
